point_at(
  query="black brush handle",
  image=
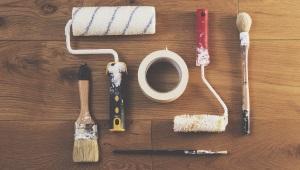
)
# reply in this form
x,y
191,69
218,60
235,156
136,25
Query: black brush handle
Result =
x,y
116,97
145,152
170,152
245,122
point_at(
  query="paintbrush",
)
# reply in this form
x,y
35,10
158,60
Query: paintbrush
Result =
x,y
243,23
86,137
170,152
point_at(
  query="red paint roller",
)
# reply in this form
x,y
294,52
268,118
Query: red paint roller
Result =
x,y
202,122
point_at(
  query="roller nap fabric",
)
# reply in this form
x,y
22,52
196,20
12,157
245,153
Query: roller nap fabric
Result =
x,y
117,20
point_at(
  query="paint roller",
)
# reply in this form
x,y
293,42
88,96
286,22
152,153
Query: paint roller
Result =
x,y
202,122
114,20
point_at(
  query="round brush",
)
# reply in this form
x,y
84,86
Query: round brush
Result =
x,y
243,23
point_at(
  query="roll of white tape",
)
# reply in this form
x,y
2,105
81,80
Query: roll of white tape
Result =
x,y
177,62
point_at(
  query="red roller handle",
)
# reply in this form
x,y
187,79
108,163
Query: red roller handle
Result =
x,y
202,28
202,37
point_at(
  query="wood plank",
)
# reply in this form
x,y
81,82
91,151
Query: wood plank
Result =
x,y
273,19
137,135
49,144
39,81
273,144
274,82
45,20
38,145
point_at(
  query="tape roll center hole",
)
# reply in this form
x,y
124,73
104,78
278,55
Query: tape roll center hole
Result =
x,y
163,75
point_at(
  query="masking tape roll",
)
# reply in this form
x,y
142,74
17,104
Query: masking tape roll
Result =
x,y
177,62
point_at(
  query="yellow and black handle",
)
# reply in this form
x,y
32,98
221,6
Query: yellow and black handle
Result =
x,y
117,74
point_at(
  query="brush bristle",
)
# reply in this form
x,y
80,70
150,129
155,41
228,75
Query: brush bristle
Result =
x,y
84,72
86,150
243,22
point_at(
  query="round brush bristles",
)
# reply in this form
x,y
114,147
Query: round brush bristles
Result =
x,y
243,22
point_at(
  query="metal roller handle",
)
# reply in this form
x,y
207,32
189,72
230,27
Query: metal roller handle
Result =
x,y
203,55
86,51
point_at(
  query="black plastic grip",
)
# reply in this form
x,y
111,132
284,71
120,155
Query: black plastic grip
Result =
x,y
117,101
245,122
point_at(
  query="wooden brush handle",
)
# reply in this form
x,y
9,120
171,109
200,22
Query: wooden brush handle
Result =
x,y
246,98
84,99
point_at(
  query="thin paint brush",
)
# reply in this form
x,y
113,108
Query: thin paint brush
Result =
x,y
243,23
170,152
86,137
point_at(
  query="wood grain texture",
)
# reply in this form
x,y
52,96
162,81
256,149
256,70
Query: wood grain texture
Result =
x,y
273,144
137,135
273,19
40,99
49,145
38,145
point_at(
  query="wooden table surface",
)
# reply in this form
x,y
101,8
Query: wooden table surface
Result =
x,y
40,101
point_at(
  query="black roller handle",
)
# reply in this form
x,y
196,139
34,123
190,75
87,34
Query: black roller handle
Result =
x,y
116,96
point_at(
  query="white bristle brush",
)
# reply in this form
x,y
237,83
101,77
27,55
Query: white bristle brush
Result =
x,y
243,23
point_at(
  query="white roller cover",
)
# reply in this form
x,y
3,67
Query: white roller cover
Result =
x,y
116,20
200,123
